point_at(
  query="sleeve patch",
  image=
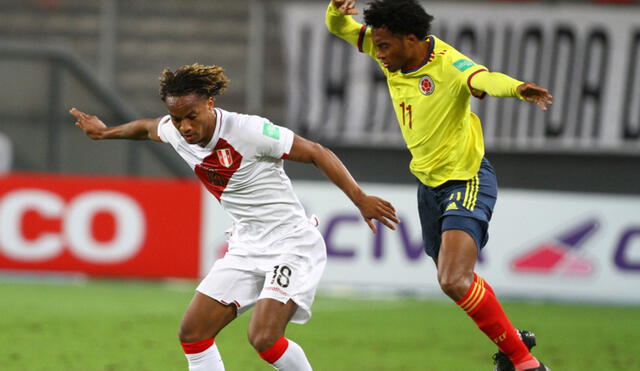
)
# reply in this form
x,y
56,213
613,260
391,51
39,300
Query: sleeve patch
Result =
x,y
270,130
463,64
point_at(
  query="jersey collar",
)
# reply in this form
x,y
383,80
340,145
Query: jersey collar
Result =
x,y
216,131
430,45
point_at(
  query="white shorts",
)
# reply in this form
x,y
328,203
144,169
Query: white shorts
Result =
x,y
290,269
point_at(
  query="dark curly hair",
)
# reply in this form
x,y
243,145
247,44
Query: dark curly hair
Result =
x,y
206,81
401,17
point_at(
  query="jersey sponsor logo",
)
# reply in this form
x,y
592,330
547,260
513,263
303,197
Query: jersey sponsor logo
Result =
x,y
277,289
561,254
463,64
224,156
270,130
213,176
426,85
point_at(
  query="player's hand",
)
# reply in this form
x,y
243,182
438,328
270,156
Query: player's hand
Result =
x,y
346,7
92,126
372,207
536,94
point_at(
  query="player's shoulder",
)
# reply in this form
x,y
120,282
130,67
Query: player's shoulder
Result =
x,y
237,122
241,127
441,49
167,131
164,121
452,60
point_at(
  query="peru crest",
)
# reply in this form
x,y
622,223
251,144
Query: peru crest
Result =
x,y
224,157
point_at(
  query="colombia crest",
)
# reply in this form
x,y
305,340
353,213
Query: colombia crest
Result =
x,y
426,85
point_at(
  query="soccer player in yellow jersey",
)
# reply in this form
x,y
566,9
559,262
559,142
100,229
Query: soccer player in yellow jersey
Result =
x,y
431,85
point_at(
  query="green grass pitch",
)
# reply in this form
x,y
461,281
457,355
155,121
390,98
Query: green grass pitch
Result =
x,y
119,325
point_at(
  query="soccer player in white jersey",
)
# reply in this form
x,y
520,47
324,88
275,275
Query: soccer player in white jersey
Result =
x,y
276,254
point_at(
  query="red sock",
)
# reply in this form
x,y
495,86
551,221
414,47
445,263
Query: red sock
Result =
x,y
276,351
483,307
198,346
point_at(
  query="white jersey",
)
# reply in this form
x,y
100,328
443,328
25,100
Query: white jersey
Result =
x,y
242,167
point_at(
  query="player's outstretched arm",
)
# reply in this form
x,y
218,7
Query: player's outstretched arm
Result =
x,y
536,94
500,85
371,207
95,129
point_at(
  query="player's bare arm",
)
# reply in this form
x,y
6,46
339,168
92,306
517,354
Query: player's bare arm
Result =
x,y
94,128
346,7
371,207
536,94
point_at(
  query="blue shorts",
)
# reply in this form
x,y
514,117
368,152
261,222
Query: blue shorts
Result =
x,y
464,205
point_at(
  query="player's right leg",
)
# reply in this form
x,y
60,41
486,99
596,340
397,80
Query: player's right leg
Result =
x,y
502,361
230,288
290,284
454,219
202,321
267,335
456,260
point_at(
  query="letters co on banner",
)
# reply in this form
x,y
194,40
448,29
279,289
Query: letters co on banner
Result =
x,y
587,56
117,227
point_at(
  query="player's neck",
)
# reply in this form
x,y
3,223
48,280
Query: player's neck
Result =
x,y
419,55
206,140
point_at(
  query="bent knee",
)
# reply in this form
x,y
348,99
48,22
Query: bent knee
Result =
x,y
454,285
191,334
262,340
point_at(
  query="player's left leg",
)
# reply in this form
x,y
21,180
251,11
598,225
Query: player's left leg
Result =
x,y
456,261
204,319
290,284
266,335
466,209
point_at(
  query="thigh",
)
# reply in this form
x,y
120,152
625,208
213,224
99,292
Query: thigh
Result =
x,y
456,261
475,228
234,279
271,316
475,197
468,205
295,275
205,317
430,212
458,253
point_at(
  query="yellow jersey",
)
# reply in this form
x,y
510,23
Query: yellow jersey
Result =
x,y
432,102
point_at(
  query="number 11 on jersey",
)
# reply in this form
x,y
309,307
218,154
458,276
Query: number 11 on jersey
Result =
x,y
407,108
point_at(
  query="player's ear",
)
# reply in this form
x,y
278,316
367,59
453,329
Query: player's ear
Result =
x,y
211,102
412,38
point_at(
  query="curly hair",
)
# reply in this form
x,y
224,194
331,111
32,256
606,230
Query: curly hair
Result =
x,y
401,17
206,81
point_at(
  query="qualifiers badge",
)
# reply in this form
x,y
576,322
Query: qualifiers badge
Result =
x,y
426,85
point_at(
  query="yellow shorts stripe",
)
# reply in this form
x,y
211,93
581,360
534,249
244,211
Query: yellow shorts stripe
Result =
x,y
475,193
466,194
471,185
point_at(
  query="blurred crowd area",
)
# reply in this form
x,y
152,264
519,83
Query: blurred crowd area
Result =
x,y
128,43
105,56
